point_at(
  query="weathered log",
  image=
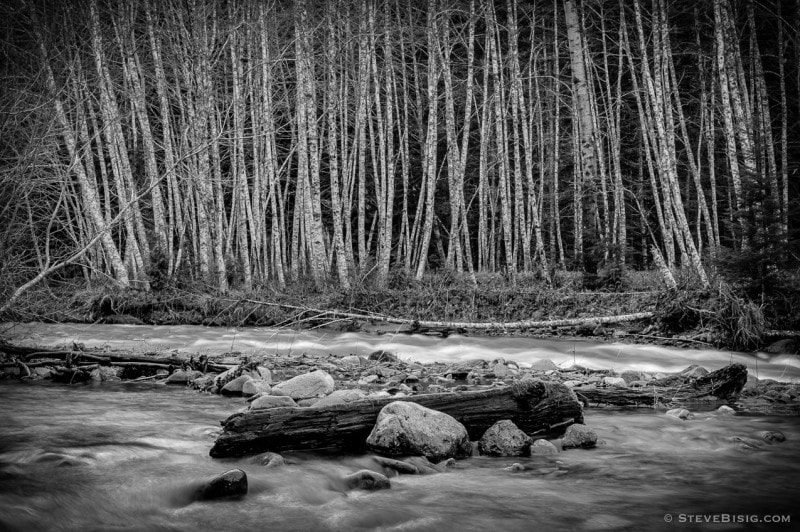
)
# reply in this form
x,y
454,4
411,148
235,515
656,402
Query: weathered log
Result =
x,y
719,387
536,407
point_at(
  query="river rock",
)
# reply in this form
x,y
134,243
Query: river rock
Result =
x,y
269,460
543,447
106,373
515,468
772,436
544,364
341,397
615,381
261,373
404,428
351,360
633,376
579,436
314,384
504,439
680,413
253,387
271,401
367,480
423,465
747,443
725,410
183,376
396,465
787,345
382,356
231,483
236,386
694,371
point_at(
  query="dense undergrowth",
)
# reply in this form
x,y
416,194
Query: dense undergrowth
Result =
x,y
723,315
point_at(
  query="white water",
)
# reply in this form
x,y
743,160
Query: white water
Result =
x,y
254,340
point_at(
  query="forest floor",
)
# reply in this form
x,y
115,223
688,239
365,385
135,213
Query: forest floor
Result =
x,y
440,304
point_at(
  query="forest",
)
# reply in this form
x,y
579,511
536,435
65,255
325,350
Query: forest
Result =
x,y
241,145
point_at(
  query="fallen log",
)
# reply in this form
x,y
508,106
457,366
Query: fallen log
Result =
x,y
719,387
536,407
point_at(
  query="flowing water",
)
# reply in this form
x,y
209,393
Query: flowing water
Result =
x,y
125,456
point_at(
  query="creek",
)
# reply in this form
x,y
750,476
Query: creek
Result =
x,y
129,456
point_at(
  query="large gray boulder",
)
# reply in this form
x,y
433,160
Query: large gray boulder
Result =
x,y
314,384
235,386
505,439
404,429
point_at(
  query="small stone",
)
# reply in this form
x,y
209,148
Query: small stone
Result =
x,y
726,410
772,436
351,360
515,468
367,480
748,443
543,447
232,483
544,364
632,376
369,379
615,381
382,356
579,435
680,413
272,401
269,459
235,386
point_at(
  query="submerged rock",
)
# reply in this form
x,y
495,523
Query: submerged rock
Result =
x,y
515,468
396,465
504,439
680,413
579,436
404,428
367,480
772,436
314,384
269,459
231,483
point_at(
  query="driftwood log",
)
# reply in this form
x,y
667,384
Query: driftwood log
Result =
x,y
536,407
720,387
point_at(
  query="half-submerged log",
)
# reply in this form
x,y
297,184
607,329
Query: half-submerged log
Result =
x,y
719,387
536,407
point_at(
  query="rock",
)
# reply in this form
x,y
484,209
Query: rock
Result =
x,y
397,465
572,383
772,436
367,480
579,435
351,360
630,376
726,410
404,428
183,376
307,402
615,381
680,413
369,379
231,483
105,373
694,371
271,401
314,384
43,373
515,468
423,465
235,386
504,439
262,373
787,345
747,443
543,447
500,370
341,397
544,364
269,459
447,464
382,356
253,387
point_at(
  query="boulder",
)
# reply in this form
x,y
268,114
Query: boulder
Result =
x,y
235,386
341,397
314,384
504,439
544,364
404,428
183,376
231,483
579,436
367,480
633,376
543,447
271,401
382,356
680,413
726,411
694,371
253,387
